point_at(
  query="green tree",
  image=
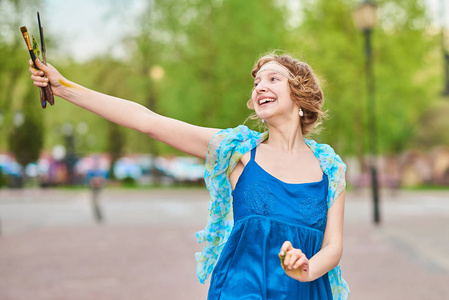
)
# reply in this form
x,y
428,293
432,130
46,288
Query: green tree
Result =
x,y
148,52
328,40
402,46
27,136
432,126
405,86
209,48
110,77
13,57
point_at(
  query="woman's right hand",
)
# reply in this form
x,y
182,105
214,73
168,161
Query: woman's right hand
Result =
x,y
46,73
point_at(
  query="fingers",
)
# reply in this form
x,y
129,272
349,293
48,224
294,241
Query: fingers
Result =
x,y
292,258
302,263
43,82
38,76
38,79
285,247
40,65
35,72
295,259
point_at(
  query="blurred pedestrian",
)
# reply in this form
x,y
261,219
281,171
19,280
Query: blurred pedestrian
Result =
x,y
96,177
275,226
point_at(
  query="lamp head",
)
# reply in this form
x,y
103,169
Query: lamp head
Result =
x,y
365,16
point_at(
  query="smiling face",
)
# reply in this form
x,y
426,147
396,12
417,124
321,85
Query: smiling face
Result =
x,y
271,93
285,84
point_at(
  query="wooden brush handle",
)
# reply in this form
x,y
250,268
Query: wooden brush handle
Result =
x,y
49,95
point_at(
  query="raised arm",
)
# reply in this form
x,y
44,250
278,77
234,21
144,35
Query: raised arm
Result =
x,y
185,137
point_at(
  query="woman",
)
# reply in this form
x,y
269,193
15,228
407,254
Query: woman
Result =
x,y
275,227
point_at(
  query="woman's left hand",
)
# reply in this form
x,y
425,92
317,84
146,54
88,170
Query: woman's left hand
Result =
x,y
294,262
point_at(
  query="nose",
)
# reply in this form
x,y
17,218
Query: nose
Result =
x,y
261,87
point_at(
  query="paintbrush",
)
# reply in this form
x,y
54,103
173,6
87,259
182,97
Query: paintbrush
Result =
x,y
43,90
48,92
27,39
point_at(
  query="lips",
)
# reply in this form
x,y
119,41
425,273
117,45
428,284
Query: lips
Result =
x,y
265,100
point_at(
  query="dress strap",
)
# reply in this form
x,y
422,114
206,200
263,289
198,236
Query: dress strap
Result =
x,y
253,153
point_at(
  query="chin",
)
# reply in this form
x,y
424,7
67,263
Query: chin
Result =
x,y
264,114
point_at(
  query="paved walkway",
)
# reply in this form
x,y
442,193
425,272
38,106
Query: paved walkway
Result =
x,y
51,248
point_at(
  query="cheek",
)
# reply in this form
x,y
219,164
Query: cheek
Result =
x,y
253,93
253,96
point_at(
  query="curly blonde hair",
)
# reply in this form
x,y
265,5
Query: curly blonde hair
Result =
x,y
305,90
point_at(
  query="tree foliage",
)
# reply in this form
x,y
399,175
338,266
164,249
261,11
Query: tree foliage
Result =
x,y
13,60
331,43
207,49
27,137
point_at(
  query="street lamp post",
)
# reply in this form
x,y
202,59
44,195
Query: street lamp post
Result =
x,y
365,20
444,48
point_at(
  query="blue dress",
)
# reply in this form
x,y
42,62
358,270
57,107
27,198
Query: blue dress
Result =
x,y
268,212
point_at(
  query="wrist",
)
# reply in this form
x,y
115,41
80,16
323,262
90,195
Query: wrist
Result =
x,y
311,276
66,88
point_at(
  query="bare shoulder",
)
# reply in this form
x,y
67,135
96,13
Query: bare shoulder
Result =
x,y
235,174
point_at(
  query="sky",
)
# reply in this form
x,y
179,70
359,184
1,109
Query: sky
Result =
x,y
88,28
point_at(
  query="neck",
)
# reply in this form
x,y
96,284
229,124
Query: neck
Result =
x,y
287,137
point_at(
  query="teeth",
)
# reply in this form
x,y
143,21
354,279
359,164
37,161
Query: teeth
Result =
x,y
265,100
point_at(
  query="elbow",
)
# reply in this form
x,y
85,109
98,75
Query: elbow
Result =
x,y
145,130
336,252
335,259
338,255
142,128
339,250
145,125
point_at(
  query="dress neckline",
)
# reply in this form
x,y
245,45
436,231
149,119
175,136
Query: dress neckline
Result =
x,y
253,159
288,183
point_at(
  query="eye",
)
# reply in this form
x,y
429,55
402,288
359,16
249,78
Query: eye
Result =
x,y
255,84
274,78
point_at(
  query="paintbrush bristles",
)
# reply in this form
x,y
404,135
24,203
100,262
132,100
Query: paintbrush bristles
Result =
x,y
26,37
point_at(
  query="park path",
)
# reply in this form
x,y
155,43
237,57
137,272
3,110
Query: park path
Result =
x,y
51,248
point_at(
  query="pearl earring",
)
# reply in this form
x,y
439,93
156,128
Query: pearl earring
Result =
x,y
301,113
263,121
